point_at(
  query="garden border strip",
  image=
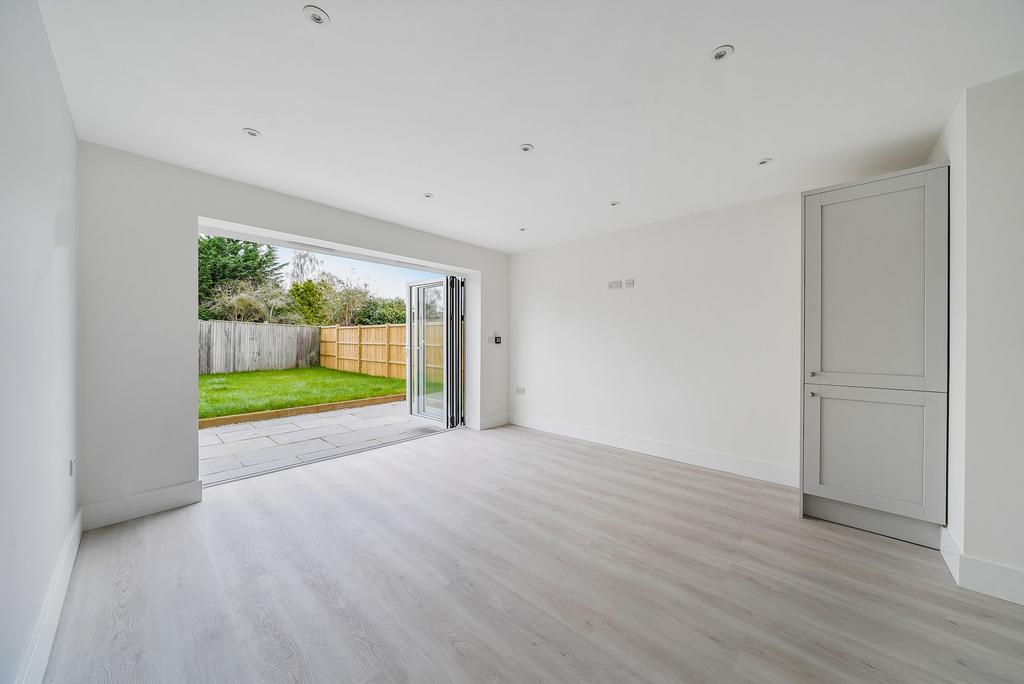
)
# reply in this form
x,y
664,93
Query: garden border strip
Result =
x,y
297,410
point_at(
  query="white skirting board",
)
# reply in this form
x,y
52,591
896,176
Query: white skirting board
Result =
x,y
118,510
488,422
730,463
951,553
34,667
980,575
991,578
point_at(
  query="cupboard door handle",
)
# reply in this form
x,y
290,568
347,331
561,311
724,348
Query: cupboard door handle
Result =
x,y
814,373
811,394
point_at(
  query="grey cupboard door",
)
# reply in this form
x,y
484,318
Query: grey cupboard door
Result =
x,y
877,448
876,283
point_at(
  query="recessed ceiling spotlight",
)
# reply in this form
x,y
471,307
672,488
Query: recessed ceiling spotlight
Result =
x,y
526,147
764,161
721,53
252,132
428,195
614,203
316,15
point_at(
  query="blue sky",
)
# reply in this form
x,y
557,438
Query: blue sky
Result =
x,y
386,281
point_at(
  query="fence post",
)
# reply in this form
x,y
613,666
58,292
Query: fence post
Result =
x,y
337,347
387,350
359,349
234,345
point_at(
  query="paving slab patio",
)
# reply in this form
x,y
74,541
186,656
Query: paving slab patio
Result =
x,y
243,449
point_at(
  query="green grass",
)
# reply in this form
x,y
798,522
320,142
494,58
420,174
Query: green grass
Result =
x,y
225,394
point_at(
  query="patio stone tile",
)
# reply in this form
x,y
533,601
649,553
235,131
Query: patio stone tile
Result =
x,y
224,429
250,470
217,464
208,439
259,431
257,456
275,421
399,406
324,419
303,435
232,451
384,420
235,447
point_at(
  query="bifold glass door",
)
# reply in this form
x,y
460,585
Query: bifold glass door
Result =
x,y
436,337
426,349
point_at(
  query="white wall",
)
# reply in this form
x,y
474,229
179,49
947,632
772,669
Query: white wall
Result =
x,y
37,428
137,313
700,362
994,533
952,147
984,143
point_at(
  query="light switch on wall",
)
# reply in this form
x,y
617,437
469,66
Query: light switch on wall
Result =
x,y
630,282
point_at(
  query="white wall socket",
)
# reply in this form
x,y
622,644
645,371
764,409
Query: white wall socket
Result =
x,y
614,284
630,282
520,390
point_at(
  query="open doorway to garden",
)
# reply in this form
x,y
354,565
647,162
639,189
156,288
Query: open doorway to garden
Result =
x,y
306,355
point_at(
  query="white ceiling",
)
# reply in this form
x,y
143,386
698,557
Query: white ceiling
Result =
x,y
400,97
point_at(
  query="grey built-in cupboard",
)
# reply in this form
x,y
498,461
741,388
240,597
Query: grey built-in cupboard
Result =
x,y
876,264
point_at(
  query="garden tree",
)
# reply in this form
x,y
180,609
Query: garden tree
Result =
x,y
240,281
344,298
224,260
323,298
380,310
327,302
240,300
305,266
309,300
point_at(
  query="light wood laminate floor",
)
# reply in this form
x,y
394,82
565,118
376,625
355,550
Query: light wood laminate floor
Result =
x,y
514,555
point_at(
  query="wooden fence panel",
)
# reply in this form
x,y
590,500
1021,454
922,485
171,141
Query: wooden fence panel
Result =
x,y
347,352
374,355
233,346
377,350
329,347
396,351
433,352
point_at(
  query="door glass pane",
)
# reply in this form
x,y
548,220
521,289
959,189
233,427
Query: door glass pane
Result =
x,y
433,350
426,352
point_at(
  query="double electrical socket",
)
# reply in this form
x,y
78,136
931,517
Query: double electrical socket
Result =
x,y
617,284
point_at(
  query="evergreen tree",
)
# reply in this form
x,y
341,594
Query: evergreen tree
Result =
x,y
225,259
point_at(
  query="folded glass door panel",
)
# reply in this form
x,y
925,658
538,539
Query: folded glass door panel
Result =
x,y
426,334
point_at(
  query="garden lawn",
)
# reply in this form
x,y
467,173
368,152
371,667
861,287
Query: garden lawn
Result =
x,y
226,394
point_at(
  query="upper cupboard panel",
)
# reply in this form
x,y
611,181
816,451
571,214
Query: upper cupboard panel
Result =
x,y
876,284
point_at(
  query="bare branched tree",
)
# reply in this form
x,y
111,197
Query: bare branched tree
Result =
x,y
344,298
239,300
306,266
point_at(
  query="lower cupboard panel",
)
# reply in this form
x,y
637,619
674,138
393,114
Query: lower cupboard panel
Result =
x,y
878,449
